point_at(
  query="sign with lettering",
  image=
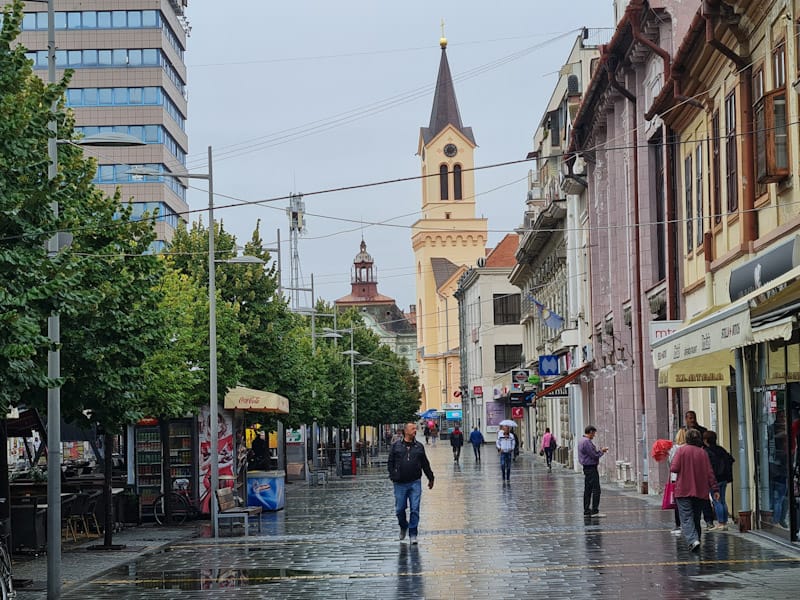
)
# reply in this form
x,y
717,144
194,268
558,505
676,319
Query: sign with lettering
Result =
x,y
724,330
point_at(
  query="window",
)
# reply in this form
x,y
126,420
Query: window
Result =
x,y
772,149
699,194
457,183
507,357
443,192
688,200
506,309
731,168
659,183
716,188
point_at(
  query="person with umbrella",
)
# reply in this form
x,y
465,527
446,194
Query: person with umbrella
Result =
x,y
506,442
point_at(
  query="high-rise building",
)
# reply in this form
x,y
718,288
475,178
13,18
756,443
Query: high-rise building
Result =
x,y
130,77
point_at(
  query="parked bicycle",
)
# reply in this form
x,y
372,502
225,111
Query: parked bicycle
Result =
x,y
6,581
180,502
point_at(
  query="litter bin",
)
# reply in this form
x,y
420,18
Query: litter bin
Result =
x,y
346,458
266,489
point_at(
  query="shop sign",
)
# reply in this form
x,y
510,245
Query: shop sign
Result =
x,y
661,329
561,392
772,398
764,268
452,415
294,436
517,412
548,365
477,390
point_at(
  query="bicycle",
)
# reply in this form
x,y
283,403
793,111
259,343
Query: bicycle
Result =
x,y
180,503
6,581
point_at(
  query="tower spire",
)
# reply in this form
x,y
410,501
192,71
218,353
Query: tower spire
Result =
x,y
445,106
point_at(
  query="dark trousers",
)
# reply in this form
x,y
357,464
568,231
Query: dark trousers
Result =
x,y
456,453
476,448
591,489
548,452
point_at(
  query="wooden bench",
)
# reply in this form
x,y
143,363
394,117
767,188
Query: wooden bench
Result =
x,y
229,509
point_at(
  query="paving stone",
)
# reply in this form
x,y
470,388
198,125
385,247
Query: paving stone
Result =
x,y
478,538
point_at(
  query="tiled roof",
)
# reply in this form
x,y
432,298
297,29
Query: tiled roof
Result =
x,y
443,269
445,106
503,255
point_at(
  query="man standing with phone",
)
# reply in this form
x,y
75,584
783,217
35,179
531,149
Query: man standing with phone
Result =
x,y
589,456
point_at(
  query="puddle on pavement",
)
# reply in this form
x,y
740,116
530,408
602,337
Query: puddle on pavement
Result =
x,y
207,579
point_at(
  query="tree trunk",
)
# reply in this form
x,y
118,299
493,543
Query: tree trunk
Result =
x,y
108,500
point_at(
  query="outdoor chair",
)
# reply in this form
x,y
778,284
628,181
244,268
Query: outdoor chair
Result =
x,y
90,511
76,513
67,528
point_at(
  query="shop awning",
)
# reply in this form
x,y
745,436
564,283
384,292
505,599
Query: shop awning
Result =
x,y
561,382
242,398
722,330
777,330
711,370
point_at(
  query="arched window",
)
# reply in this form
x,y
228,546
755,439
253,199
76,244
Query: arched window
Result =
x,y
443,182
457,182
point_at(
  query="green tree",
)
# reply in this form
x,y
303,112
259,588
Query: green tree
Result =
x,y
32,285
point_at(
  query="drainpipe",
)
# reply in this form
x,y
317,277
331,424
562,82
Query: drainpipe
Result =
x,y
610,66
636,9
745,511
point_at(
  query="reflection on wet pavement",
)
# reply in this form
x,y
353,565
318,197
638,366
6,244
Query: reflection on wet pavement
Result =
x,y
478,539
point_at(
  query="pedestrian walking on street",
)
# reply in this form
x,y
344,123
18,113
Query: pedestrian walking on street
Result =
x,y
397,436
722,465
456,442
506,442
549,445
589,456
434,434
407,461
695,479
476,439
680,442
690,419
427,435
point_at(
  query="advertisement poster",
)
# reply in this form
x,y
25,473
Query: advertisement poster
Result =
x,y
225,447
495,412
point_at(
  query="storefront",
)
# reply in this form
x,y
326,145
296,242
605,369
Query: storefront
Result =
x,y
747,357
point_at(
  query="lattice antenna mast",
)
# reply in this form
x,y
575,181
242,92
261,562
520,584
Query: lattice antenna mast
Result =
x,y
296,214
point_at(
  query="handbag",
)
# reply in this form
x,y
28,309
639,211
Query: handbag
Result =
x,y
668,501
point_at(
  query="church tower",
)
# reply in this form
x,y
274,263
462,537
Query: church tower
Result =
x,y
447,239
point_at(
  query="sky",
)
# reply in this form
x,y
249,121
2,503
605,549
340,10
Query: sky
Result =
x,y
313,95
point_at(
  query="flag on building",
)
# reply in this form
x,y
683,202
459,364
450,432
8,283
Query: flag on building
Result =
x,y
550,319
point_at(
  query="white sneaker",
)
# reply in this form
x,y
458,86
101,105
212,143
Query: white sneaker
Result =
x,y
413,540
694,546
675,532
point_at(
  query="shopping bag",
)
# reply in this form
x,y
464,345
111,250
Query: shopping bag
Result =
x,y
668,501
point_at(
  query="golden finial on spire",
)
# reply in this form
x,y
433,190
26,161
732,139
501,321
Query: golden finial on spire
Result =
x,y
443,40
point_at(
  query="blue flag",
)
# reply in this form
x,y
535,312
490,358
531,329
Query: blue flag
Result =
x,y
551,319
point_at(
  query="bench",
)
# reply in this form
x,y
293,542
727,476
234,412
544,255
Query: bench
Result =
x,y
229,509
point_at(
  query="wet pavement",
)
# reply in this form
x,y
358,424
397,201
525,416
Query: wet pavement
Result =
x,y
478,539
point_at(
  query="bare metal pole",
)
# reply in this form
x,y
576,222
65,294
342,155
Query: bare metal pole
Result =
x,y
212,352
53,355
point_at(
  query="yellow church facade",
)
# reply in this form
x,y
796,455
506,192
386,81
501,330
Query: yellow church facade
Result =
x,y
447,239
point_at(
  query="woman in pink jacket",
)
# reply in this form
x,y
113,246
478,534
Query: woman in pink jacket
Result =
x,y
695,478
549,445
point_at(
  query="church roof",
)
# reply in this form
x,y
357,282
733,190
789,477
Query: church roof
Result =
x,y
363,256
443,269
445,106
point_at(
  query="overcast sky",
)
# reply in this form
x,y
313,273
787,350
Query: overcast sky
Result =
x,y
306,96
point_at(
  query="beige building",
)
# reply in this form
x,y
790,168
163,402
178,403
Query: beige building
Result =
x,y
447,237
130,77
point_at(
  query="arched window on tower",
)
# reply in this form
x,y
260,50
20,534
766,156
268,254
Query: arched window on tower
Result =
x,y
443,191
457,183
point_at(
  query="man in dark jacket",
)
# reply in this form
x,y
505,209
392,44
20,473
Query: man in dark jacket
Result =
x,y
456,441
407,461
722,465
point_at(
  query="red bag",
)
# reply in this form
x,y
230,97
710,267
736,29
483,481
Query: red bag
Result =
x,y
668,501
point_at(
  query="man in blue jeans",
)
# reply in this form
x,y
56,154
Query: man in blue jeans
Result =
x,y
407,461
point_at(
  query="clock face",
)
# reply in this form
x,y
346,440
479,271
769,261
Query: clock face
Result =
x,y
450,150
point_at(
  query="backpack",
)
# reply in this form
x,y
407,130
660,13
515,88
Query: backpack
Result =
x,y
553,443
